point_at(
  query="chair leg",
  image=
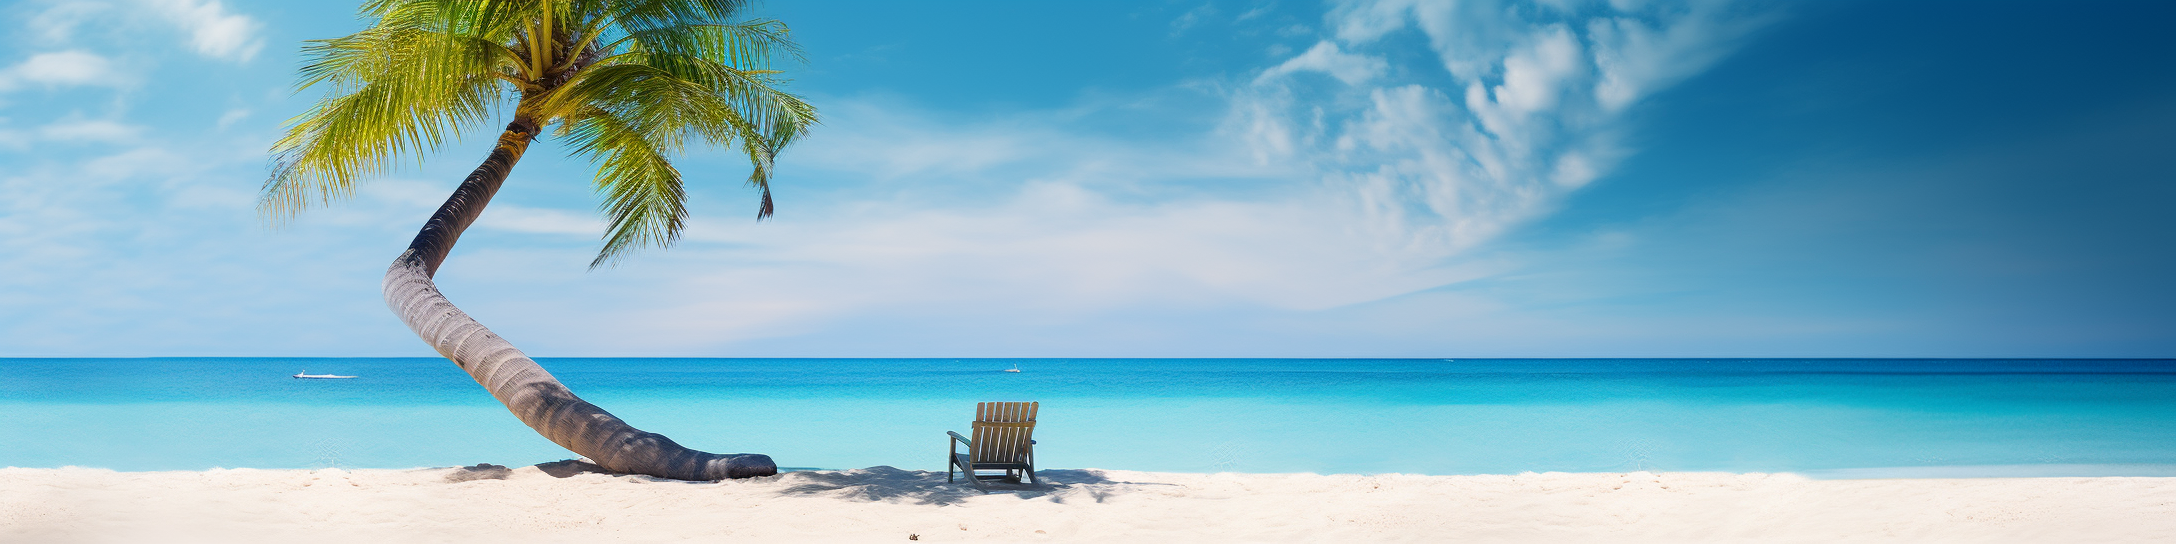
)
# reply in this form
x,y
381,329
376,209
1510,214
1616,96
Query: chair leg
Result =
x,y
967,468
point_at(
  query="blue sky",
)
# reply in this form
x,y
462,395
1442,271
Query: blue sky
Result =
x,y
1365,178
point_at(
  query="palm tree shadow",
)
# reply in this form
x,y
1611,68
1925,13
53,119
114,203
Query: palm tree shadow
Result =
x,y
575,467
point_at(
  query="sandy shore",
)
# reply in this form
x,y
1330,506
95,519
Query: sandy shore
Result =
x,y
550,503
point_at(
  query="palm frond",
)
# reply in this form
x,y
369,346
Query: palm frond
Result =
x,y
749,45
752,97
669,100
394,91
647,14
643,195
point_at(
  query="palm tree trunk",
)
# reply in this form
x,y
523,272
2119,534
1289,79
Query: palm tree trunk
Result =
x,y
525,388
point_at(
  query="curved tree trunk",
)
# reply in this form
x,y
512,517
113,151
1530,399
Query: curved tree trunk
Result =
x,y
525,388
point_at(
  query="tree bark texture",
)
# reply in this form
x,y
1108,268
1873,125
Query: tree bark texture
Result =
x,y
517,381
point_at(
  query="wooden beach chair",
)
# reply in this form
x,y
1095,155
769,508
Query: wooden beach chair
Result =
x,y
1004,440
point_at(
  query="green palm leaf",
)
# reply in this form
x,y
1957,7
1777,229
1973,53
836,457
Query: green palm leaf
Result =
x,y
629,84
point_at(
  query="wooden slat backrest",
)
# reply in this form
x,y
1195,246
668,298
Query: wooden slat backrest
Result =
x,y
1002,431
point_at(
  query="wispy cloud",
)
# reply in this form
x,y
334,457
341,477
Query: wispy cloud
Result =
x,y
1326,58
63,69
1532,111
208,27
57,23
89,130
213,31
1638,55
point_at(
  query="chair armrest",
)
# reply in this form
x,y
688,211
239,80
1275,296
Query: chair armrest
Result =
x,y
961,439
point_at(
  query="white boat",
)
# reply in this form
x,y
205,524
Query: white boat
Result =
x,y
306,375
1015,368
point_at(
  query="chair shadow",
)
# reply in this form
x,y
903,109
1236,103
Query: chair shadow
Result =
x,y
889,484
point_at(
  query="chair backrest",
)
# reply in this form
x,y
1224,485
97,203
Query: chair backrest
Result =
x,y
1004,432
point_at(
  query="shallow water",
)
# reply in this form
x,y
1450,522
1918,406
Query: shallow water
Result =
x,y
1847,418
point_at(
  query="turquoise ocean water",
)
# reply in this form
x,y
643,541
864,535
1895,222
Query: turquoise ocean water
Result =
x,y
1840,418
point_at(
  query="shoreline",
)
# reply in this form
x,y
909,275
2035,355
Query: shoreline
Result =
x,y
556,502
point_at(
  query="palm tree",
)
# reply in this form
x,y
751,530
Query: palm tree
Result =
x,y
628,84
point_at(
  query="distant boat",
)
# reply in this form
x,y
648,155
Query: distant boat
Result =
x,y
1015,368
306,375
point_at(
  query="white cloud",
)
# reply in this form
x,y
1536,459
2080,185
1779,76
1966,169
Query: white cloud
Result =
x,y
63,68
1326,58
1535,75
89,130
1636,56
213,31
1470,38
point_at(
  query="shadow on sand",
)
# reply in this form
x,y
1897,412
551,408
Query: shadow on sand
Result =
x,y
888,484
873,484
576,467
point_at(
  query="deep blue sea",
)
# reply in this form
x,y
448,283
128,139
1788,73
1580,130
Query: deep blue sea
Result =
x,y
1832,418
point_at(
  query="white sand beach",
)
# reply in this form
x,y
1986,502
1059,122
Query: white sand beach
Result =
x,y
882,504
